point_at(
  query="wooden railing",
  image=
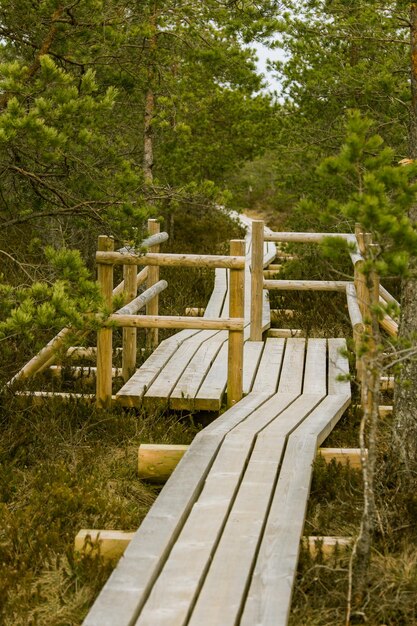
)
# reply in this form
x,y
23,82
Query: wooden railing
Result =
x,y
357,291
127,318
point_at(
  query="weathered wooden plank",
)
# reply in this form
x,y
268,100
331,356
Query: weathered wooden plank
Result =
x,y
180,579
164,383
269,596
213,388
124,593
229,572
292,371
252,353
184,392
338,367
132,392
316,367
218,295
267,375
221,483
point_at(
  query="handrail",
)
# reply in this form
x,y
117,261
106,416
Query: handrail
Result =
x,y
142,300
125,317
354,242
171,260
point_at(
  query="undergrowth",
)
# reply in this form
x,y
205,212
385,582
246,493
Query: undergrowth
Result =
x,y
63,468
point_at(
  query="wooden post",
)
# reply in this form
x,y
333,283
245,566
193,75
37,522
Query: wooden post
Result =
x,y
104,335
129,334
359,238
153,277
236,309
257,279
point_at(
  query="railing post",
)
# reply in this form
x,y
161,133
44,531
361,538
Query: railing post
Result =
x,y
257,278
236,309
104,335
153,277
129,334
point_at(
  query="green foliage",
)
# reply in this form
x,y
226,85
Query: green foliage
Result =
x,y
370,189
67,299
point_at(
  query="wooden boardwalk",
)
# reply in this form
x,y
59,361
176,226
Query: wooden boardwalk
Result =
x,y
188,371
220,545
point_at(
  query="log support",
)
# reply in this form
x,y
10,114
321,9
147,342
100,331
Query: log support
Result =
x,y
109,544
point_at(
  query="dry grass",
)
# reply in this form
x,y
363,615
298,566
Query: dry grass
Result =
x,y
63,468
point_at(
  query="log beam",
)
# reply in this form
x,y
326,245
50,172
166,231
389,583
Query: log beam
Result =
x,y
109,544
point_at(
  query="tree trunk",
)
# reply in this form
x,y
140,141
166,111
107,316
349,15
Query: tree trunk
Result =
x,y
405,398
148,134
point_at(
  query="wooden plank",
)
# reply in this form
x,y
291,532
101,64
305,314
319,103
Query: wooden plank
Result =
x,y
316,367
292,371
266,311
270,252
285,332
82,352
229,572
125,591
251,358
195,311
38,397
160,390
180,579
268,372
213,388
338,367
132,392
218,295
221,483
326,546
186,389
269,597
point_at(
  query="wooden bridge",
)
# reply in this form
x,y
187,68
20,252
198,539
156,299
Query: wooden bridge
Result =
x,y
220,545
189,370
